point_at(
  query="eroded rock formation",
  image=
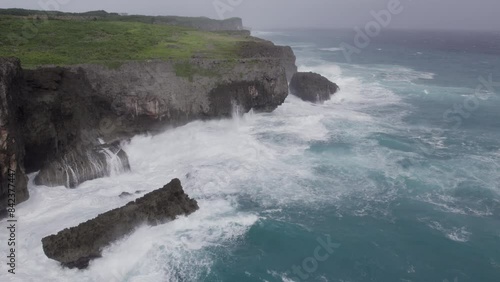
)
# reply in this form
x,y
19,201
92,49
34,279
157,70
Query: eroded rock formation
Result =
x,y
66,110
76,246
312,87
68,118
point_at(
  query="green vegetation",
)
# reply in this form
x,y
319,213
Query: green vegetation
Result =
x,y
196,22
57,41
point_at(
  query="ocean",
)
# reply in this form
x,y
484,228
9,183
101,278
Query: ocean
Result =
x,y
397,178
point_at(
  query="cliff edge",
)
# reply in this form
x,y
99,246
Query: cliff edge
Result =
x,y
90,83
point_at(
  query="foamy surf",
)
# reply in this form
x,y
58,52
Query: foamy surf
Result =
x,y
372,168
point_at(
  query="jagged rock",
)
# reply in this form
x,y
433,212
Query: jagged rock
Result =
x,y
63,111
312,87
82,164
76,246
68,108
11,141
127,194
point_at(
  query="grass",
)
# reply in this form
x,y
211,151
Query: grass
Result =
x,y
70,42
105,16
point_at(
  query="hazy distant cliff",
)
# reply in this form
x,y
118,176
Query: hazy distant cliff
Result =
x,y
202,23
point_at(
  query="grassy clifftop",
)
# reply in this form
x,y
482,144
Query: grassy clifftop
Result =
x,y
203,23
76,41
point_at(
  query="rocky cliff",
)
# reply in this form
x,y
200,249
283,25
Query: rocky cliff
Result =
x,y
13,179
69,122
267,49
69,114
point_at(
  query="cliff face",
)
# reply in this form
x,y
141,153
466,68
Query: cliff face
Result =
x,y
73,119
66,110
11,142
267,49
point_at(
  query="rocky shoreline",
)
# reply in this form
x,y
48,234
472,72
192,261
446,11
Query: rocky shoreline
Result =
x,y
68,124
62,117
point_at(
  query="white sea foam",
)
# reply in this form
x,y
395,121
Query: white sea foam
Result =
x,y
265,33
457,234
261,158
213,159
333,49
394,73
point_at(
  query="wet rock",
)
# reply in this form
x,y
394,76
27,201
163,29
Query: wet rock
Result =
x,y
66,110
84,163
124,195
127,194
312,87
76,246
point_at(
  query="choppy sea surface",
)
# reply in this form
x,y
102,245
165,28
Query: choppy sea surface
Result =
x,y
397,178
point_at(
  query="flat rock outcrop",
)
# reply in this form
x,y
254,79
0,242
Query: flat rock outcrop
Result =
x,y
312,87
76,246
11,141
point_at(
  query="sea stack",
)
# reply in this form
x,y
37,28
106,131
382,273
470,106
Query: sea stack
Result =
x,y
312,87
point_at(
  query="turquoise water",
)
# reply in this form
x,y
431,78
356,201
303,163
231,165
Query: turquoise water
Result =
x,y
382,183
408,195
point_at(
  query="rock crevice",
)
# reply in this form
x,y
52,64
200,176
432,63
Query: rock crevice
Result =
x,y
11,140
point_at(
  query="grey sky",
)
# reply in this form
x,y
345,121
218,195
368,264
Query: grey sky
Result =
x,y
426,14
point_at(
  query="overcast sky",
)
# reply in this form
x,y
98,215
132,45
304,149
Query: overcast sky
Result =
x,y
258,14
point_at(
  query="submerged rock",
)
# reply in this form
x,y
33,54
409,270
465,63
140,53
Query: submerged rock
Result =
x,y
312,87
76,246
125,194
